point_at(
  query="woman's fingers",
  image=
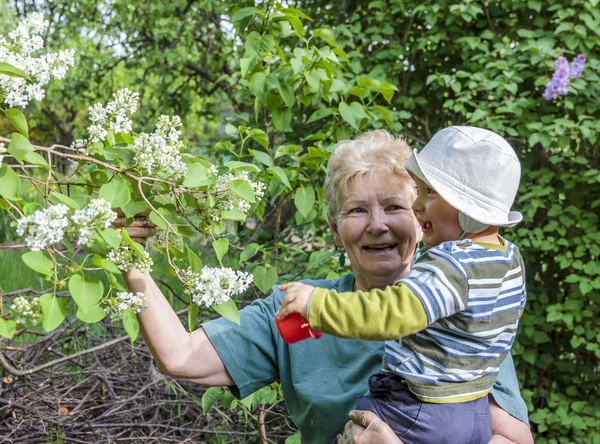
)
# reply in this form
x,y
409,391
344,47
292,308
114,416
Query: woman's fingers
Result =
x,y
362,417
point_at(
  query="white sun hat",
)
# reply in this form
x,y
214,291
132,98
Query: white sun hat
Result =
x,y
473,169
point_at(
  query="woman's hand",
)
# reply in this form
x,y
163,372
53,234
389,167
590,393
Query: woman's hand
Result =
x,y
139,230
366,428
296,299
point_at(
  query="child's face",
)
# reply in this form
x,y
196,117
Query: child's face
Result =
x,y
438,220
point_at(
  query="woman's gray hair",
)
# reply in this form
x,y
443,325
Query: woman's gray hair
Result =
x,y
374,152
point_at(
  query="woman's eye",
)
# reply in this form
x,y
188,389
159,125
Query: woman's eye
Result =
x,y
356,210
393,207
431,191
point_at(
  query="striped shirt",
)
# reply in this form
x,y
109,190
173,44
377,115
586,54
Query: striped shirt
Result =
x,y
473,295
456,314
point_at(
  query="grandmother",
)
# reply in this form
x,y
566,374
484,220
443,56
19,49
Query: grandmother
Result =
x,y
369,196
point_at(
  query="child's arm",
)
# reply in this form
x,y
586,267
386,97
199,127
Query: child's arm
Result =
x,y
436,287
363,315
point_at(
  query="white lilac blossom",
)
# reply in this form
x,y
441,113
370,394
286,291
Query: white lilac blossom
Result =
x,y
114,307
226,199
98,214
44,227
26,39
24,311
577,66
2,151
159,152
115,117
214,285
125,259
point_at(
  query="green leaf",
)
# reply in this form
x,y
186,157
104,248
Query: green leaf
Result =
x,y
242,14
131,324
197,175
228,310
287,94
54,310
319,114
136,247
265,278
112,237
234,165
304,199
10,185
19,147
7,328
37,261
260,137
192,316
18,120
12,71
347,115
262,157
221,246
327,36
65,200
35,159
282,118
31,208
256,85
233,214
93,314
195,262
209,398
243,189
294,439
116,192
249,252
106,264
281,175
86,292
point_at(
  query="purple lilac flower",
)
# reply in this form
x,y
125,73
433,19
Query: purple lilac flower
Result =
x,y
560,79
577,66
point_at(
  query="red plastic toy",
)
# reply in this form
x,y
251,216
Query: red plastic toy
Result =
x,y
295,328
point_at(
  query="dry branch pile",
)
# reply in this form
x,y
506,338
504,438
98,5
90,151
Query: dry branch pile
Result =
x,y
110,394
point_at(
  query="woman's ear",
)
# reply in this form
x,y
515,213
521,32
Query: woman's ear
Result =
x,y
333,227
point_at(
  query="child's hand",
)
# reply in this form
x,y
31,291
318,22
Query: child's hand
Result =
x,y
296,299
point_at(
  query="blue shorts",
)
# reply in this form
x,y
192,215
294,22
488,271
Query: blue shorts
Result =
x,y
418,422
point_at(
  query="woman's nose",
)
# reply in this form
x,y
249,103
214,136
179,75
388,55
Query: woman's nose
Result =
x,y
377,222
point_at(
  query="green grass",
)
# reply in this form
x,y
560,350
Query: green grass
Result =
x,y
15,275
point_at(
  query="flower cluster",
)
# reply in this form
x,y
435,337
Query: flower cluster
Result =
x,y
227,200
560,79
159,152
98,214
114,307
126,259
25,311
577,66
23,42
2,151
44,227
114,117
214,285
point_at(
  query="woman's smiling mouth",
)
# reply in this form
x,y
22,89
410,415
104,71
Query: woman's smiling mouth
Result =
x,y
382,248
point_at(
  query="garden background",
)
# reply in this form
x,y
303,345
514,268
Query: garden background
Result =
x,y
277,84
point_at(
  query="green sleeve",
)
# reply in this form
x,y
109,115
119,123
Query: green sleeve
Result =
x,y
390,313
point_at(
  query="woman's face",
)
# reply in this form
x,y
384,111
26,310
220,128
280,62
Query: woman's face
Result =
x,y
377,228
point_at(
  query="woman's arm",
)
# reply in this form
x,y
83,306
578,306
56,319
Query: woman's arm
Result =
x,y
177,352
